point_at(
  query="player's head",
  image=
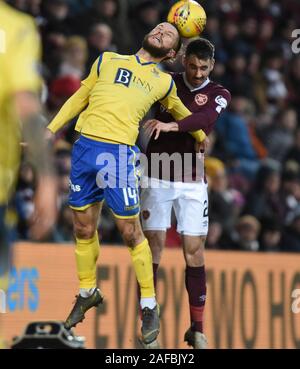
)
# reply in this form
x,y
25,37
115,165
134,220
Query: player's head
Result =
x,y
163,41
198,61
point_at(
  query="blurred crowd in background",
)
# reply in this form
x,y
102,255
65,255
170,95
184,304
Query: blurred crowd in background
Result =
x,y
253,164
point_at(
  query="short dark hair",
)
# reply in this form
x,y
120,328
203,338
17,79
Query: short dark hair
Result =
x,y
201,48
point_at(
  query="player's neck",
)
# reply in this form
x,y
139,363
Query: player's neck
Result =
x,y
143,54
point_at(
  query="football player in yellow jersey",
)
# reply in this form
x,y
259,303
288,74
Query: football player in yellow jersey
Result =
x,y
19,106
114,98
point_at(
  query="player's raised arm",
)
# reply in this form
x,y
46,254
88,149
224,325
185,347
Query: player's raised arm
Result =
x,y
179,111
77,102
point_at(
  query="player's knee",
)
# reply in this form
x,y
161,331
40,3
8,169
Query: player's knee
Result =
x,y
84,231
195,257
194,253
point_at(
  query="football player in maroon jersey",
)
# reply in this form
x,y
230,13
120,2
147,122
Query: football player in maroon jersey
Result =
x,y
183,187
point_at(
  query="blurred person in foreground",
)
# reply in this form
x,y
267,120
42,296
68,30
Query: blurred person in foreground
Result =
x,y
112,100
20,113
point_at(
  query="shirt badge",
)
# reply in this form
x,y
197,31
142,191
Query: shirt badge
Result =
x,y
201,99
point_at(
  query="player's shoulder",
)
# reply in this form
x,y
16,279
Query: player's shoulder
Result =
x,y
215,89
165,78
14,20
114,55
176,76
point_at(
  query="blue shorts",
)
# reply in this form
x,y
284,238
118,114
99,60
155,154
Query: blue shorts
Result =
x,y
105,171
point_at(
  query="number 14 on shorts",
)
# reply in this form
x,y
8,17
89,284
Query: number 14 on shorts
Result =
x,y
130,196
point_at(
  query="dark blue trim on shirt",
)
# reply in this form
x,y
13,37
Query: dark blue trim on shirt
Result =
x,y
99,63
146,63
169,90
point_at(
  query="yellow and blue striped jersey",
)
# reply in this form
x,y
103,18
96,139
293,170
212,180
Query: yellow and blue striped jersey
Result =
x,y
122,90
19,54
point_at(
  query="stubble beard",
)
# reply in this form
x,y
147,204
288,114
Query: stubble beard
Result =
x,y
154,51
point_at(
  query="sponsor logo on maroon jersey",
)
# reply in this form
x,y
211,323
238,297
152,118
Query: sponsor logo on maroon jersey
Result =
x,y
146,214
201,99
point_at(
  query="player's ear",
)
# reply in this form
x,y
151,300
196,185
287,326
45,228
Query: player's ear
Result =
x,y
183,59
212,64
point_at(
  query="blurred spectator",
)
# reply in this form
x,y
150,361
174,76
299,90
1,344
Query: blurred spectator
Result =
x,y
234,140
270,237
74,58
224,203
245,237
279,137
113,13
294,83
64,227
60,90
290,192
56,13
237,80
276,90
214,235
99,40
293,153
145,16
62,150
291,235
264,200
265,35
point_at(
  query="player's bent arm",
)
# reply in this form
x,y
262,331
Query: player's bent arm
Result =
x,y
40,155
208,115
179,111
29,112
71,108
154,125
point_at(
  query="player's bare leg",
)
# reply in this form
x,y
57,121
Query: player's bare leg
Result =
x,y
193,248
157,240
87,251
134,238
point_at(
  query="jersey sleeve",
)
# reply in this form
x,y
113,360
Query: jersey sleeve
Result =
x,y
207,116
90,81
173,104
24,58
71,108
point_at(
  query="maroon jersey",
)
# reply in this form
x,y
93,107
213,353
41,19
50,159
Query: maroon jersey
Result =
x,y
206,103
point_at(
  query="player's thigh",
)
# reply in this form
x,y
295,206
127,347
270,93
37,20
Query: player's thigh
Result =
x,y
191,210
156,208
84,189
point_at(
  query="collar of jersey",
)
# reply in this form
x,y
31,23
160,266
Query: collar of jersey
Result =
x,y
143,63
193,89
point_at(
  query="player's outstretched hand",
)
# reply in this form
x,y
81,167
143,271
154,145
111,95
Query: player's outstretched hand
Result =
x,y
154,125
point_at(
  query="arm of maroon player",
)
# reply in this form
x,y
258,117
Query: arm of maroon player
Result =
x,y
204,118
207,115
